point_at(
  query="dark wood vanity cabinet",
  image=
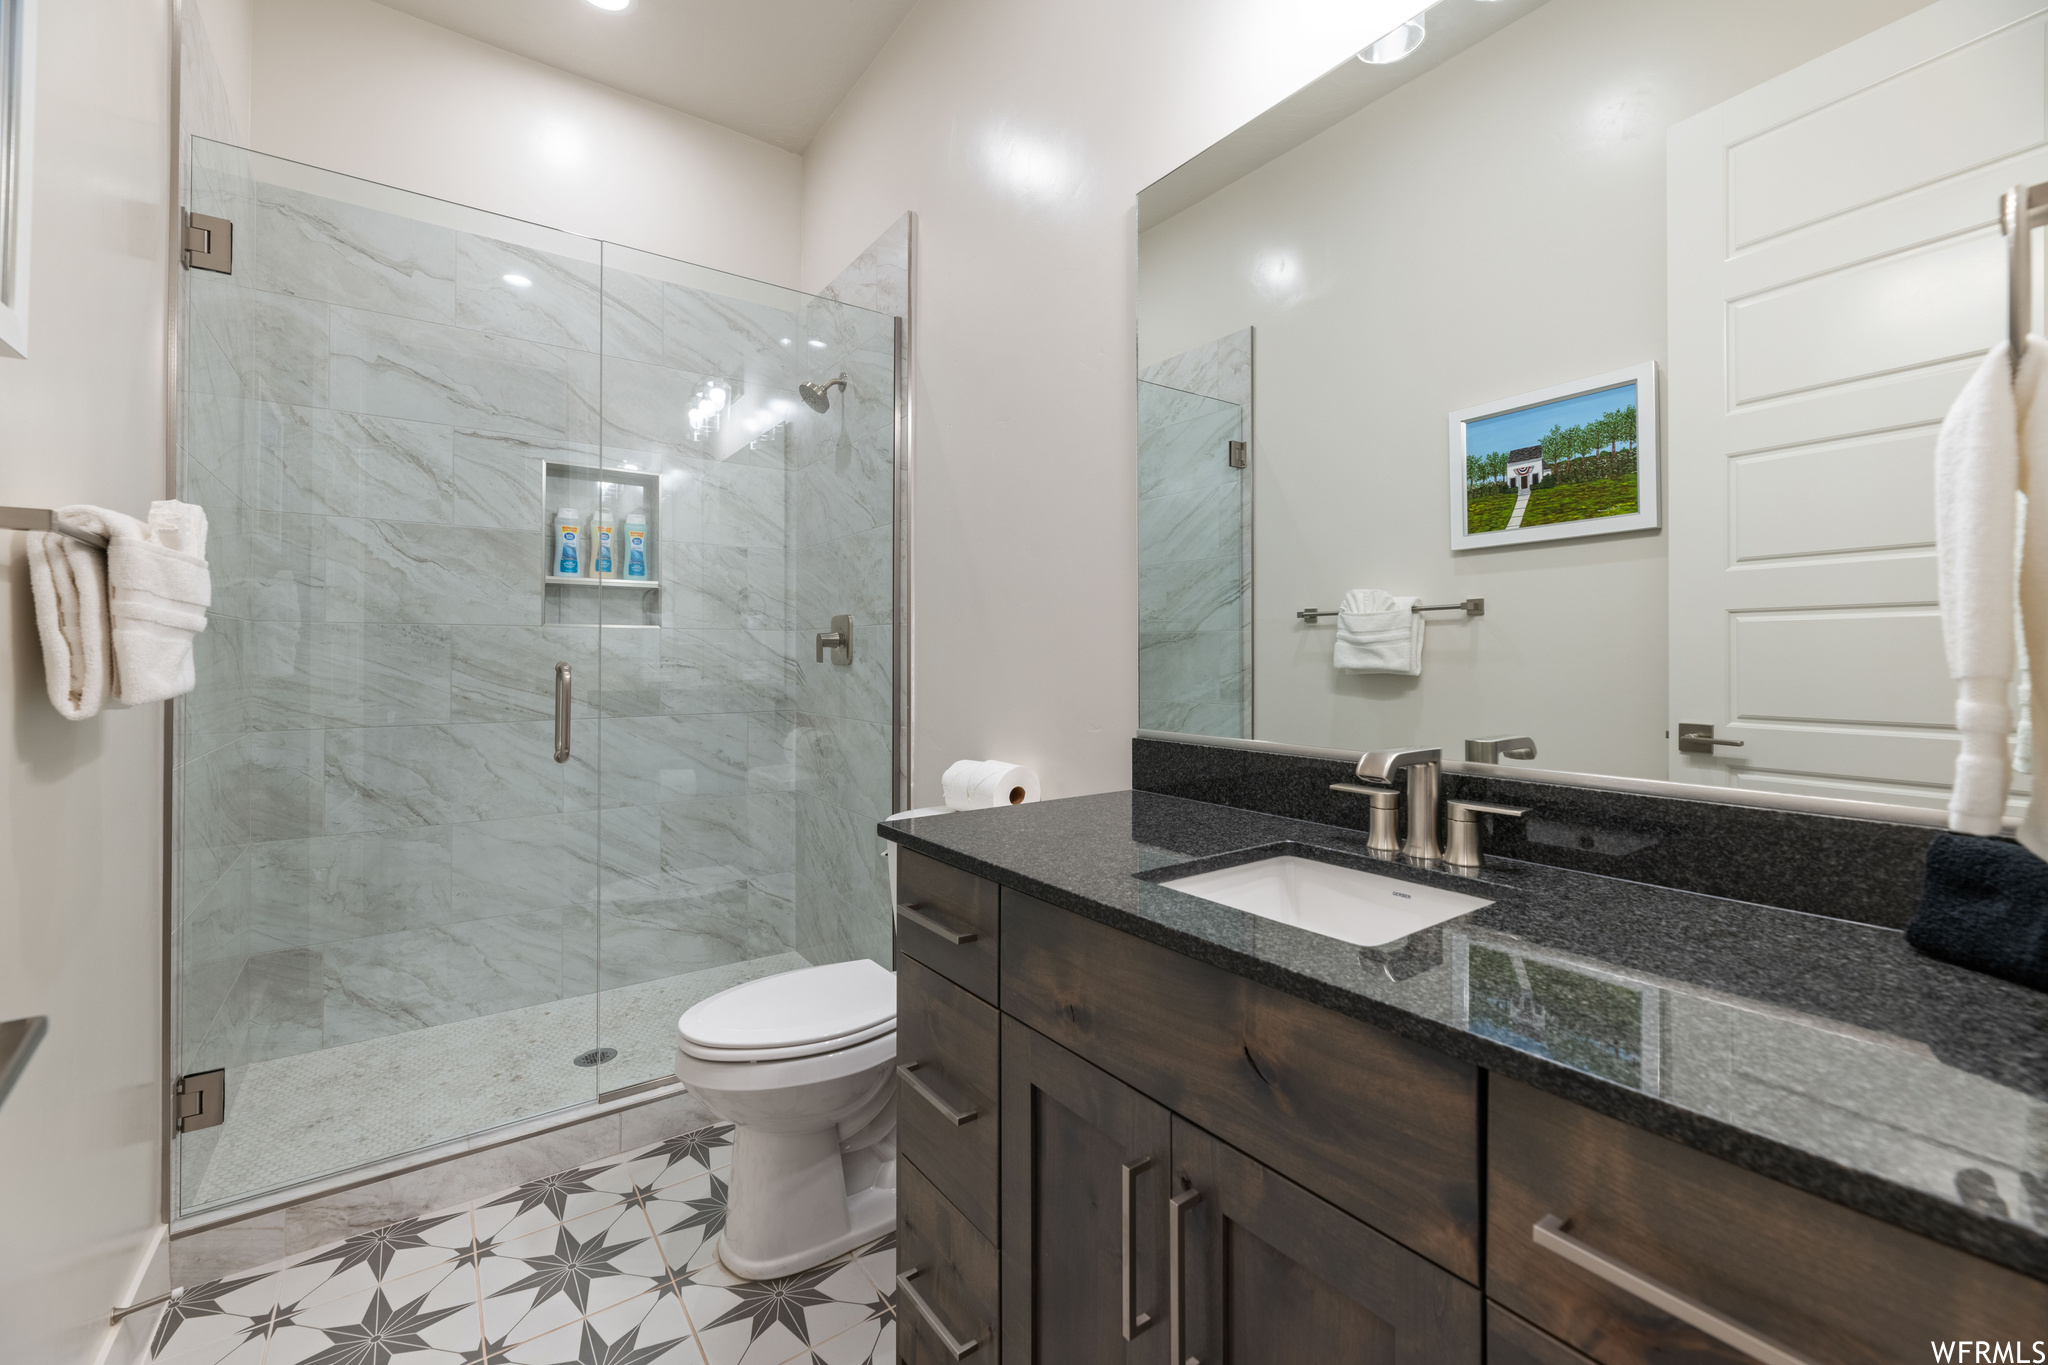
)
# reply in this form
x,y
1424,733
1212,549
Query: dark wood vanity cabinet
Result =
x,y
1086,1161
1830,1285
1115,1153
1270,1272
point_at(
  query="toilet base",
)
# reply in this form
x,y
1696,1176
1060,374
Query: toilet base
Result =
x,y
869,1214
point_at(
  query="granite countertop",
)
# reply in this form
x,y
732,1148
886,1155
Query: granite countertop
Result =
x,y
1820,1052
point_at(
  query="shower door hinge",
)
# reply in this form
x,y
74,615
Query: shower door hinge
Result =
x,y
202,1100
1238,458
209,243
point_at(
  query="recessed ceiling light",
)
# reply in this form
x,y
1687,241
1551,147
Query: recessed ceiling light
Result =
x,y
519,281
611,4
1395,45
817,343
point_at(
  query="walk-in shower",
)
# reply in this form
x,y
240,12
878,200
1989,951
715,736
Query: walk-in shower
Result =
x,y
397,921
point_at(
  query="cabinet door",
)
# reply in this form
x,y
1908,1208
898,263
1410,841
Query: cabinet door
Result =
x,y
1084,1164
1271,1272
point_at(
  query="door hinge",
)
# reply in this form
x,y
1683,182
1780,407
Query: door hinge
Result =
x,y
209,243
202,1100
1238,457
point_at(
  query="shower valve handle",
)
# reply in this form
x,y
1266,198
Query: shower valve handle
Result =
x,y
839,640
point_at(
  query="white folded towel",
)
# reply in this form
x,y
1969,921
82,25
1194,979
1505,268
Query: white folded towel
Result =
x,y
1990,442
68,580
120,630
1378,633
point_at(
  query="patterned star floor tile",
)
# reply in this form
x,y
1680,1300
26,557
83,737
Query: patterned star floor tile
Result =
x,y
385,1326
233,1349
543,1281
687,1218
396,1251
649,1330
878,1260
766,1322
545,1202
870,1343
613,1263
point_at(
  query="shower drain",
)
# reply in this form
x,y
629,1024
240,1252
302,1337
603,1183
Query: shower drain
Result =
x,y
597,1056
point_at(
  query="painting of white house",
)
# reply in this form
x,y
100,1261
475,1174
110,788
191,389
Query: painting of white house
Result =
x,y
1575,460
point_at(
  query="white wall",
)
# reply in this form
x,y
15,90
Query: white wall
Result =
x,y
356,87
1492,228
1020,131
82,420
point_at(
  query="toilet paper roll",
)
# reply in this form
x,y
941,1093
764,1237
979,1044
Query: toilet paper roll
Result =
x,y
974,784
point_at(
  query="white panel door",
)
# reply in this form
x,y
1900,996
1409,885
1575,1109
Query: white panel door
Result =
x,y
1835,274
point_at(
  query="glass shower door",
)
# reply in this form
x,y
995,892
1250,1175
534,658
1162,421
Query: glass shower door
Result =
x,y
1194,565
751,430
386,887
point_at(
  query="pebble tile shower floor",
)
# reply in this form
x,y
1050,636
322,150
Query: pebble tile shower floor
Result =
x,y
609,1264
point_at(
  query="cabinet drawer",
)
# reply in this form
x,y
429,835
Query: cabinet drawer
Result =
x,y
952,1044
1386,1130
1827,1284
953,1276
937,906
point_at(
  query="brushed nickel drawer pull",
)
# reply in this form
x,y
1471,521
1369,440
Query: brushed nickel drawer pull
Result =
x,y
960,1349
907,1071
923,921
1134,1322
1551,1236
1176,1271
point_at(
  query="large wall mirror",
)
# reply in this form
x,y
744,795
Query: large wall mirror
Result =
x,y
1618,333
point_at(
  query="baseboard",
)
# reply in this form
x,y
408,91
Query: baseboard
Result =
x,y
127,1341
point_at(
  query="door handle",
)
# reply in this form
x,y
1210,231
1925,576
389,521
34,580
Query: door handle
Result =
x,y
925,922
957,1117
960,1349
1176,1273
1551,1236
562,686
1697,737
1134,1322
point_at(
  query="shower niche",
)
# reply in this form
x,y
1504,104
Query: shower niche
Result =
x,y
592,596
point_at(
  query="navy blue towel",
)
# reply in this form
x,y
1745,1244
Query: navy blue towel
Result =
x,y
1985,907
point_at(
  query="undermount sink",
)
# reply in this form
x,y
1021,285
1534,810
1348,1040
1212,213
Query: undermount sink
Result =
x,y
1342,902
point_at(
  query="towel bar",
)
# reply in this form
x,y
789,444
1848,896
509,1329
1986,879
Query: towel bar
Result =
x,y
43,519
1471,606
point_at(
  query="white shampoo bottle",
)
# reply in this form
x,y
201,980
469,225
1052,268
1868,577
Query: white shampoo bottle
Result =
x,y
569,555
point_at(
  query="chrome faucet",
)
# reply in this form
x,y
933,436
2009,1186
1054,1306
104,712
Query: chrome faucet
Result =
x,y
1379,767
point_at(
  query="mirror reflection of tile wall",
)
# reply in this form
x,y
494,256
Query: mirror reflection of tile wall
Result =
x,y
1194,541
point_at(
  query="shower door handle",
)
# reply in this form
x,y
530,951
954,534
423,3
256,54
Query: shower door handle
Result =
x,y
562,693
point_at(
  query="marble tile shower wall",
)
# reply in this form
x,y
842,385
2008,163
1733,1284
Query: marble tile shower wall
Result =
x,y
373,836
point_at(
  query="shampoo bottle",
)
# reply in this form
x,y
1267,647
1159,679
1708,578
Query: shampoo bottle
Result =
x,y
602,546
636,545
568,544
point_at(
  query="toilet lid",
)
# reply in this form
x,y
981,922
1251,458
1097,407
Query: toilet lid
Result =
x,y
791,1013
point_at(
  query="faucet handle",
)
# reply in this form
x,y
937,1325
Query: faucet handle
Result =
x,y
1462,848
1467,810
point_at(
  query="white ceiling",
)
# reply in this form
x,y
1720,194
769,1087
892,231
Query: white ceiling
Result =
x,y
773,69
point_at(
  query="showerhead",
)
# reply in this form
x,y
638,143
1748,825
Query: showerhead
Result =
x,y
819,396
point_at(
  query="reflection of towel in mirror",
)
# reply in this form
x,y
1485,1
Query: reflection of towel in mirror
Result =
x,y
156,590
1378,633
1994,437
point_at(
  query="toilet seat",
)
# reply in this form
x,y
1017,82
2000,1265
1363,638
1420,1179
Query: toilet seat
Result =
x,y
793,1014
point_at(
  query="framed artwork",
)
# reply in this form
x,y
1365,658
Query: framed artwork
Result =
x,y
1573,460
17,143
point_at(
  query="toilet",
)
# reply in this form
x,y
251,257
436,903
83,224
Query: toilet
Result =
x,y
801,1064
